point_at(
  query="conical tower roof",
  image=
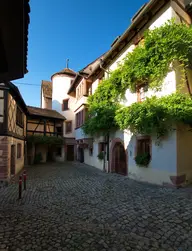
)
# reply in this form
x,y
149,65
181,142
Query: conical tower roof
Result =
x,y
66,71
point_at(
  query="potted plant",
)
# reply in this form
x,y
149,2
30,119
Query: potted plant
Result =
x,y
101,155
143,159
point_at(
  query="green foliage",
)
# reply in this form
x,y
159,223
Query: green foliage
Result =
x,y
109,90
149,63
101,155
156,116
100,119
103,106
38,158
143,160
49,140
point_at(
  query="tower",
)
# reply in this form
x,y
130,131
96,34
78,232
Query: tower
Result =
x,y
63,103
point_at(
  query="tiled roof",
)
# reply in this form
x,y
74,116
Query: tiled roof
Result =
x,y
85,72
65,71
47,113
47,88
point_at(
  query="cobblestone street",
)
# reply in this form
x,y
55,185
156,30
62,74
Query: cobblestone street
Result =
x,y
76,207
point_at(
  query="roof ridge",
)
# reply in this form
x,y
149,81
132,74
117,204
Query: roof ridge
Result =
x,y
42,108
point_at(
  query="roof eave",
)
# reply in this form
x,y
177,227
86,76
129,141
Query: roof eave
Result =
x,y
125,34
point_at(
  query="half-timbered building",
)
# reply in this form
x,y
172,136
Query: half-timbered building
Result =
x,y
12,131
44,135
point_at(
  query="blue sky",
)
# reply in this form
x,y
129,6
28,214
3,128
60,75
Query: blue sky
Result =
x,y
74,29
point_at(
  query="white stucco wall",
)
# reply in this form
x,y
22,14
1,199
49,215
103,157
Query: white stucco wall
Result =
x,y
93,160
79,134
95,85
78,103
60,85
169,84
164,162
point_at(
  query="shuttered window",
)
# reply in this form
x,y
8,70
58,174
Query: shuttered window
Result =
x,y
80,117
65,105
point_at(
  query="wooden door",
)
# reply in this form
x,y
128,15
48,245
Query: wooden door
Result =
x,y
13,160
70,152
120,159
81,154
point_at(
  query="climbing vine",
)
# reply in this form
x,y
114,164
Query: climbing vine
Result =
x,y
148,63
154,58
40,139
103,105
156,116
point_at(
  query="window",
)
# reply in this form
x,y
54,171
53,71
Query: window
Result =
x,y
143,145
59,152
18,150
59,130
141,92
80,117
101,147
68,126
19,117
65,105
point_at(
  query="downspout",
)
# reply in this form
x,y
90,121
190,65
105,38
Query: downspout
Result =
x,y
104,161
107,152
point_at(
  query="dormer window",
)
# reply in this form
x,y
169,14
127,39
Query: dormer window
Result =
x,y
65,105
141,92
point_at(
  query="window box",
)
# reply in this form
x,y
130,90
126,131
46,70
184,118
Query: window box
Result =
x,y
143,151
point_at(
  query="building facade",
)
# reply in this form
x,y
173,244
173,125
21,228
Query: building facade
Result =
x,y
170,162
12,131
44,135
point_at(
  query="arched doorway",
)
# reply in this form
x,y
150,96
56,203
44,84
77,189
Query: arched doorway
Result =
x,y
119,159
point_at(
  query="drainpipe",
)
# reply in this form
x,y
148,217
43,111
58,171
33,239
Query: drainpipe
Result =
x,y
104,161
107,152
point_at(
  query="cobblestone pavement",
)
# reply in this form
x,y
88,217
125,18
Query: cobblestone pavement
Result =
x,y
76,207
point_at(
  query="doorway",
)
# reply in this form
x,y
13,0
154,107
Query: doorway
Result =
x,y
81,154
13,160
119,160
70,152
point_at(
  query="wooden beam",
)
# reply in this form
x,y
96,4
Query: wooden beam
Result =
x,y
44,127
37,125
